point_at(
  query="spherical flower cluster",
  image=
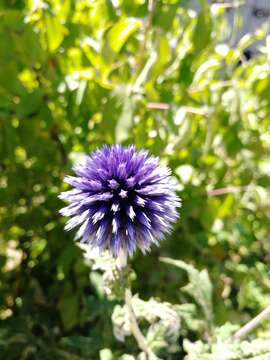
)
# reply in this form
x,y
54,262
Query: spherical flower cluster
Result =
x,y
122,199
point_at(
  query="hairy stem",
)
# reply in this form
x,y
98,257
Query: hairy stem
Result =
x,y
252,324
135,328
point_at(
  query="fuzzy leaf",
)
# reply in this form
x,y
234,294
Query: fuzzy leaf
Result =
x,y
199,286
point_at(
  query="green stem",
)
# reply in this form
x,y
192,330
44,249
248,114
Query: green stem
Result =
x,y
134,327
141,341
252,324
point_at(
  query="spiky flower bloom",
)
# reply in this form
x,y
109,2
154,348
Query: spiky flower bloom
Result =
x,y
122,199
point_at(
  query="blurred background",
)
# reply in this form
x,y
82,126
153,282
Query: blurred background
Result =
x,y
188,80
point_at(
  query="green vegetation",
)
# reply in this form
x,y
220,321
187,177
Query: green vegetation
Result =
x,y
76,74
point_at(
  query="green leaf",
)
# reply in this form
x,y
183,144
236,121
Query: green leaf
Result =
x,y
69,307
207,66
54,32
202,31
165,15
30,104
121,31
199,286
124,123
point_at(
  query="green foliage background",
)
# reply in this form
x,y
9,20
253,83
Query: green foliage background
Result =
x,y
75,75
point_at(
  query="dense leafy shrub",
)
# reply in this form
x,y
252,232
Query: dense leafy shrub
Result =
x,y
75,75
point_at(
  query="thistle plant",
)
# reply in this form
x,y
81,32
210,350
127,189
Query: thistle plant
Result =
x,y
122,199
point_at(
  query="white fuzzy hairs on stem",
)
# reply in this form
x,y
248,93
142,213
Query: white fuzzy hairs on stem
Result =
x,y
121,263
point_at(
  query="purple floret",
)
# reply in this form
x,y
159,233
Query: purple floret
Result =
x,y
121,199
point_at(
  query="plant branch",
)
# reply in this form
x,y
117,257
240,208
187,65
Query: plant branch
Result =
x,y
252,324
226,190
234,4
142,70
135,328
151,9
187,109
55,137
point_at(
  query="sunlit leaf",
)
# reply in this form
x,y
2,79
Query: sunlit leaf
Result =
x,y
121,31
199,286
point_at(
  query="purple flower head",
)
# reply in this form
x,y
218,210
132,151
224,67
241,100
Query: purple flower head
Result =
x,y
121,199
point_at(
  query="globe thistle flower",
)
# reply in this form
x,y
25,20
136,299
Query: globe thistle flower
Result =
x,y
121,199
